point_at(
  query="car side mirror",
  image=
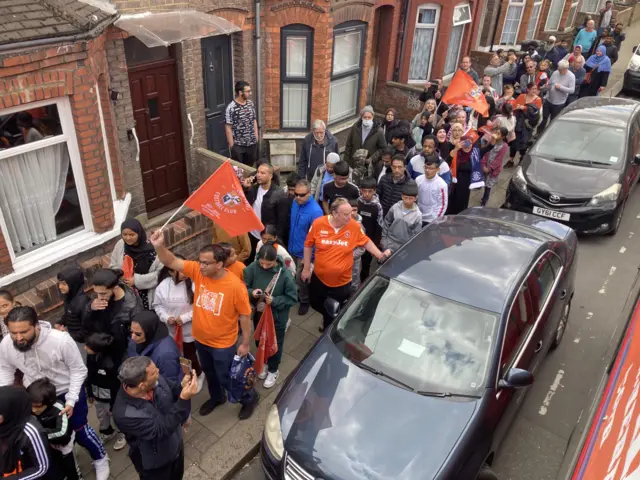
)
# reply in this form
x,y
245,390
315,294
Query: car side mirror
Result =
x,y
516,378
332,306
636,159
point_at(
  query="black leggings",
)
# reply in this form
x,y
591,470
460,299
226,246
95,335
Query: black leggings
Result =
x,y
513,149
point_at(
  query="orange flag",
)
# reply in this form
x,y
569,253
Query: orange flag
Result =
x,y
265,334
464,91
222,200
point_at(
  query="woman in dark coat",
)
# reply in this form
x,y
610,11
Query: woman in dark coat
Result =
x,y
71,286
374,140
598,69
390,122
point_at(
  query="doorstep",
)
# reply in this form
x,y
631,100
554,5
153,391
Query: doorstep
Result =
x,y
219,445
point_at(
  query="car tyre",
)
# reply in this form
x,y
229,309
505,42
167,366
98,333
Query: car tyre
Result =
x,y
562,326
487,473
617,219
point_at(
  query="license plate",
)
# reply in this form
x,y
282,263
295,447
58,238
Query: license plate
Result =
x,y
545,212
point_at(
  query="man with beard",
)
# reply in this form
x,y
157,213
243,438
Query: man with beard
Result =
x,y
41,352
150,413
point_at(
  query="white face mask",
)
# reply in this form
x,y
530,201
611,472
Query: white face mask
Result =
x,y
367,123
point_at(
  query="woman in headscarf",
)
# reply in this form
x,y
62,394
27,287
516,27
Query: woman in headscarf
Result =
x,y
390,122
528,113
442,146
71,286
24,448
429,107
150,338
598,68
573,56
146,265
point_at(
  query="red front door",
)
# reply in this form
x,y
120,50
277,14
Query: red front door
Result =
x,y
156,110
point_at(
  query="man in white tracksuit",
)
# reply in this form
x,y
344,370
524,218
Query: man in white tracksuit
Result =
x,y
433,193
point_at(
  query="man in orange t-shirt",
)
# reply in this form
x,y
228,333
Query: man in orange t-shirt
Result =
x,y
334,238
220,301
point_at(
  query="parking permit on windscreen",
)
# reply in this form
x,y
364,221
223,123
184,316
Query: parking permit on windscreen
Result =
x,y
613,159
411,348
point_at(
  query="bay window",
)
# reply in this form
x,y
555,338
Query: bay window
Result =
x,y
572,15
532,26
512,23
555,13
296,59
461,16
346,71
424,36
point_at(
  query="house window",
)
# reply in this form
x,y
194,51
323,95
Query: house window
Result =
x,y
555,12
348,50
424,37
572,15
512,23
590,6
42,193
532,27
461,16
296,61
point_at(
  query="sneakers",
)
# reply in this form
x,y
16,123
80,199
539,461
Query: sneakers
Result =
x,y
271,379
201,379
303,309
208,406
121,442
102,468
247,409
263,374
105,437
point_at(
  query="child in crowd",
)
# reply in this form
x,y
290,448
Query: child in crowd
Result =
x,y
6,304
362,165
403,220
46,408
269,235
370,211
383,166
232,264
433,191
102,384
173,303
358,252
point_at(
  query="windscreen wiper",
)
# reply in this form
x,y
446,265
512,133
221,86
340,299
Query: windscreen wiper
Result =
x,y
443,394
380,373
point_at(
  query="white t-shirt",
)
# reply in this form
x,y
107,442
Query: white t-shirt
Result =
x,y
257,207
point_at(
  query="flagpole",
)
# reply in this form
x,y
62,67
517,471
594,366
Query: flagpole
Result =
x,y
172,216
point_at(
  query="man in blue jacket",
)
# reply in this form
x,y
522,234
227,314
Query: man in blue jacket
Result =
x,y
304,211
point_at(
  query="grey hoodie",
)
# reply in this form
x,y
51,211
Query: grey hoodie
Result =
x,y
399,227
55,356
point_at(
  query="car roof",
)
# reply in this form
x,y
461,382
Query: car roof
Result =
x,y
471,260
613,111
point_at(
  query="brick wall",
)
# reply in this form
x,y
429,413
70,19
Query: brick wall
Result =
x,y
404,98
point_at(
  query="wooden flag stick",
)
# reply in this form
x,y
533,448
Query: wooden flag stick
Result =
x,y
172,217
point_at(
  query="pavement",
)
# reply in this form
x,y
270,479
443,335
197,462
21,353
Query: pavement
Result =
x,y
220,446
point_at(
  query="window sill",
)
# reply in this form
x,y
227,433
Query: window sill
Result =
x,y
44,257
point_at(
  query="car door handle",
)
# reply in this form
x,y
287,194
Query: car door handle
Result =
x,y
563,294
538,346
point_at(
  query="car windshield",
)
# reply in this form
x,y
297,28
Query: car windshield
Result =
x,y
424,341
584,143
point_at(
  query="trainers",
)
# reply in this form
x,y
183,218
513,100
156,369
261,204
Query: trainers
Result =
x,y
201,379
303,309
271,379
208,406
105,437
102,468
247,408
263,374
121,442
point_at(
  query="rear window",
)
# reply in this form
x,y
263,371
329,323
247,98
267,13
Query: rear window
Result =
x,y
585,143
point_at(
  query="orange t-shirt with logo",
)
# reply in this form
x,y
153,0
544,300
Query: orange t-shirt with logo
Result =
x,y
237,268
334,250
216,307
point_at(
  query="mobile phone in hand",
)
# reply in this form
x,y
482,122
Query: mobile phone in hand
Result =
x,y
185,364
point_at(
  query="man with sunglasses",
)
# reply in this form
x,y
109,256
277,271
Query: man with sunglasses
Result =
x,y
220,302
304,211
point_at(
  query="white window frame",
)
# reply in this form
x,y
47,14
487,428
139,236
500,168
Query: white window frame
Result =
x,y
535,28
464,30
112,183
582,8
546,25
569,24
433,26
58,250
520,4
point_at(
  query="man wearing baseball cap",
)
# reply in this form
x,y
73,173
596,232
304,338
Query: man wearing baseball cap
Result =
x,y
324,175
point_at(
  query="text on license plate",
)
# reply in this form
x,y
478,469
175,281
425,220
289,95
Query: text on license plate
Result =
x,y
545,212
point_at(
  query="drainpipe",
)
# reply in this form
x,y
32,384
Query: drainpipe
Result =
x,y
94,32
401,36
258,86
495,26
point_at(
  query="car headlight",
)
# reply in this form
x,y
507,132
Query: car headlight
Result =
x,y
273,433
518,180
608,197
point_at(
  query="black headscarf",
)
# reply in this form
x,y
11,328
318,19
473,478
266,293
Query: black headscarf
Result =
x,y
15,408
143,254
154,330
74,278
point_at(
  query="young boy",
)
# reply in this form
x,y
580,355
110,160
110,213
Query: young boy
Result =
x,y
403,220
339,187
358,252
370,211
381,168
433,191
233,264
102,384
399,139
46,408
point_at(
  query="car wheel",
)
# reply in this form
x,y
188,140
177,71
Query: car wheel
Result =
x,y
617,219
486,473
562,326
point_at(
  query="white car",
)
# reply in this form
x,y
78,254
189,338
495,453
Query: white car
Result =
x,y
631,82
